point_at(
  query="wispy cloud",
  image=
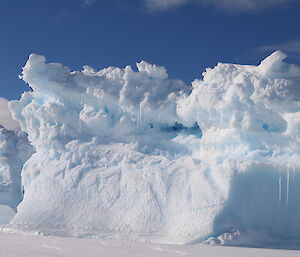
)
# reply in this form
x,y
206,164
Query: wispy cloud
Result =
x,y
59,18
164,4
291,46
230,6
87,2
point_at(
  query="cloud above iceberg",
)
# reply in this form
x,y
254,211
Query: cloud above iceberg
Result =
x,y
291,46
6,119
230,6
87,2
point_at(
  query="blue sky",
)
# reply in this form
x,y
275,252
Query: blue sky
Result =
x,y
185,36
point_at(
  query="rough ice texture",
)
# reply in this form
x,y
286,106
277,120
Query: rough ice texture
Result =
x,y
6,214
6,119
136,155
14,151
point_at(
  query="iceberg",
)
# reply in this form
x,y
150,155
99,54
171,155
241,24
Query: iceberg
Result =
x,y
6,119
14,151
135,155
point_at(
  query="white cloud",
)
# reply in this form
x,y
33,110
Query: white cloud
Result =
x,y
164,4
88,2
6,119
292,46
231,6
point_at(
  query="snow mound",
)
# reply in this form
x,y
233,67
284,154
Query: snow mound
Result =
x,y
137,155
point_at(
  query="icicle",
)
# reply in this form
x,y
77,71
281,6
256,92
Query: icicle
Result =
x,y
145,114
68,165
79,119
137,117
279,187
79,124
293,170
287,187
141,112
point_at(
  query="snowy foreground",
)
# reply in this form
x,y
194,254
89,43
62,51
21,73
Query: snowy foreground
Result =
x,y
134,155
39,246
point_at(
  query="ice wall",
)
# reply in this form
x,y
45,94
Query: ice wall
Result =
x,y
14,151
11,162
5,116
136,155
250,117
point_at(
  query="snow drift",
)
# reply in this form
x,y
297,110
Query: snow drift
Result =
x,y
137,155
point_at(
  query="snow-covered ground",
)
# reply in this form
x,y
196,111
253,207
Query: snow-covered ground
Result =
x,y
12,245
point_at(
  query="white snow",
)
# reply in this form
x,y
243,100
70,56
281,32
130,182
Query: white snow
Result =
x,y
14,151
6,214
6,119
37,246
134,155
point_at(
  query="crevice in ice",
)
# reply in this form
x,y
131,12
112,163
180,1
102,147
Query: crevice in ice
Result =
x,y
180,128
279,188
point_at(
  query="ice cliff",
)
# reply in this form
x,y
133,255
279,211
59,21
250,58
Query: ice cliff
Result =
x,y
136,155
14,151
6,119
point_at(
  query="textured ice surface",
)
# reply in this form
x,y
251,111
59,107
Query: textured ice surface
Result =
x,y
136,155
5,116
14,151
6,214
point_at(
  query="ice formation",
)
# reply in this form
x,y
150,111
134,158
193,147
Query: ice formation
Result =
x,y
14,151
134,154
5,116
